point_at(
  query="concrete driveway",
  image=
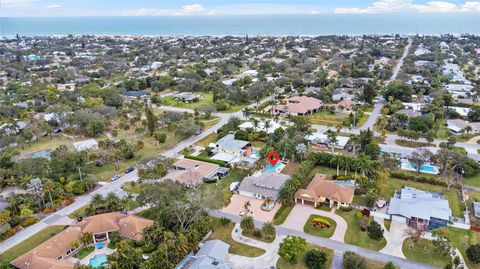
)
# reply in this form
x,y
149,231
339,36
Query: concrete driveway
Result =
x,y
300,214
394,237
236,206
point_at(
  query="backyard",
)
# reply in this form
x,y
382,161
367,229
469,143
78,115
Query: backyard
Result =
x,y
462,239
217,195
30,243
355,235
207,100
326,118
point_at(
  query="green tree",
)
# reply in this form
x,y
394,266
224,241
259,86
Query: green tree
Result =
x,y
268,230
247,224
292,248
151,120
315,259
375,231
389,265
353,261
473,253
126,257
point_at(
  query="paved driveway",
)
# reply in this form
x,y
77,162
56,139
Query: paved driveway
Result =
x,y
300,214
394,237
236,206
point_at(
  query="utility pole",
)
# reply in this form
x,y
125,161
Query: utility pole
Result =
x,y
80,173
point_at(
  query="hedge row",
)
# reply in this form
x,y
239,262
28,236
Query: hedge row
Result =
x,y
417,178
207,160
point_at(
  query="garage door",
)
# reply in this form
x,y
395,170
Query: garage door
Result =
x,y
399,219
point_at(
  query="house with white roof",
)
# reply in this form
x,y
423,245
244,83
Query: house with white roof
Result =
x,y
89,144
272,126
416,207
322,138
264,185
459,125
212,255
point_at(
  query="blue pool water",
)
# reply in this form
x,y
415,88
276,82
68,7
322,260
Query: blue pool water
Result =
x,y
427,168
271,168
98,260
255,154
344,182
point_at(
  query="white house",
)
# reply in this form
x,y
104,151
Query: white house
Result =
x,y
89,144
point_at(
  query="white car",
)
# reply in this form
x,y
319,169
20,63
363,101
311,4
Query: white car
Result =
x,y
115,177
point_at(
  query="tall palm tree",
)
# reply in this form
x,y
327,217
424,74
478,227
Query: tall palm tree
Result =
x,y
335,160
354,140
246,112
255,123
247,224
364,164
97,200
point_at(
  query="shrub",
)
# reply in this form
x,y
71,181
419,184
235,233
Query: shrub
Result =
x,y
389,265
375,231
224,221
473,253
353,261
320,223
29,221
346,208
221,163
315,259
292,248
257,233
8,234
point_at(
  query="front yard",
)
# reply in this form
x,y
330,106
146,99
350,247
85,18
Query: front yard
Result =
x,y
283,264
224,233
423,251
462,239
355,235
314,223
217,195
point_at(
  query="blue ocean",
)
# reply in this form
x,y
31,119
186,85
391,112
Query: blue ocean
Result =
x,y
321,24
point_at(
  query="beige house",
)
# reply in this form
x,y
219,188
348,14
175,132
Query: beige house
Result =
x,y
52,253
193,173
298,105
325,191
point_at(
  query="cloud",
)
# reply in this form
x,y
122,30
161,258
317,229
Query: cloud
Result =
x,y
195,9
17,3
389,6
53,6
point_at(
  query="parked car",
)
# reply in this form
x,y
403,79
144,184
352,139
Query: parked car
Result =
x,y
198,132
129,169
350,148
115,177
57,130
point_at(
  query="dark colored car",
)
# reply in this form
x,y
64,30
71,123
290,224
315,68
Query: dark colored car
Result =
x,y
57,130
129,169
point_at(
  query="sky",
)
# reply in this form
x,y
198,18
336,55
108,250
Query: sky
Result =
x,y
62,8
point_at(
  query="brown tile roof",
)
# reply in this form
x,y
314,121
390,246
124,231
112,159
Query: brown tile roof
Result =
x,y
45,255
300,104
132,227
194,171
319,187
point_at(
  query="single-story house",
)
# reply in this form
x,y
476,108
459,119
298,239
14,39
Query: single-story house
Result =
x,y
298,105
344,94
212,255
52,253
229,144
265,185
322,138
459,125
136,94
418,207
462,111
89,144
261,126
192,172
346,105
234,160
13,128
326,191
187,97
410,113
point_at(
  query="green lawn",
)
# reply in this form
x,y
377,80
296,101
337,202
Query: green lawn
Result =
x,y
133,187
282,215
217,195
204,142
223,232
423,251
462,239
262,238
283,264
47,143
413,144
207,100
354,234
473,180
392,184
326,118
210,123
327,232
84,252
30,243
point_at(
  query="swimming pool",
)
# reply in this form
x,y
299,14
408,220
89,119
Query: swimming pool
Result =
x,y
426,168
278,167
255,154
98,260
345,182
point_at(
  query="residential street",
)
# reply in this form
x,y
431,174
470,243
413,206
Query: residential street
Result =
x,y
335,245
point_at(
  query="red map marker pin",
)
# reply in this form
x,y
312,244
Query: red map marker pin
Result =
x,y
273,158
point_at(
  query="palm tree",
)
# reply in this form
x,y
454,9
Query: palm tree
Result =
x,y
246,112
86,238
301,150
346,163
354,140
268,230
247,224
97,200
335,160
267,125
364,164
112,201
255,123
